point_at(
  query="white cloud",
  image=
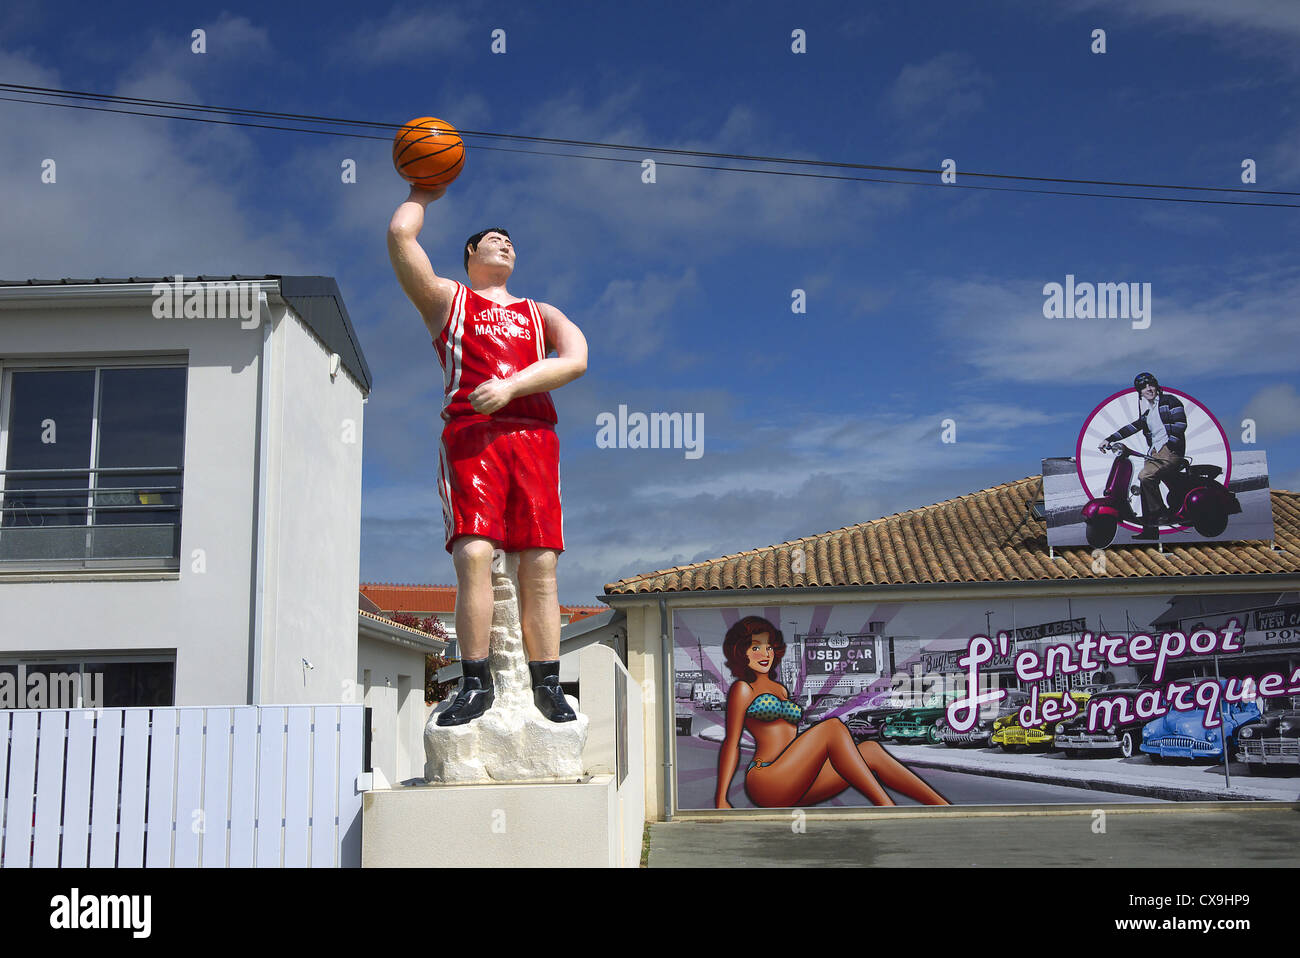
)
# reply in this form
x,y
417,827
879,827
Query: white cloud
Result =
x,y
630,318
936,92
1273,17
149,197
405,34
870,447
611,208
159,70
1276,411
1236,329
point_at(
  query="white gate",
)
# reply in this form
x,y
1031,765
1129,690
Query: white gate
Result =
x,y
243,786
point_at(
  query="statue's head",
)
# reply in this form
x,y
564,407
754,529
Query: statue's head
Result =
x,y
490,251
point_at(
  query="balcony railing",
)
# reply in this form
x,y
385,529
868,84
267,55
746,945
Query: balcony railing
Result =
x,y
89,523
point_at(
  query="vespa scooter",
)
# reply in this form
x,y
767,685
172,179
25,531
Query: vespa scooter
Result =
x,y
1196,498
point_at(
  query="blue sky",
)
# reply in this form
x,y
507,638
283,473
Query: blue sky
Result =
x,y
923,304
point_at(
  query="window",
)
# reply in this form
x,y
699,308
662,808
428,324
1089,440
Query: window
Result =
x,y
92,463
69,683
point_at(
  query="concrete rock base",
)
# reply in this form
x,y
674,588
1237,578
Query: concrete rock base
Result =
x,y
512,741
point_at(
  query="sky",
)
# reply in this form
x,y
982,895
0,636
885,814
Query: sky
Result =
x,y
922,306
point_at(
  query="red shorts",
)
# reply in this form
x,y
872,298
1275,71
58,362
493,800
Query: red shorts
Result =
x,y
500,479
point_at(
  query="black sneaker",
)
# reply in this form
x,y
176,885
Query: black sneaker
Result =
x,y
547,693
471,701
1148,533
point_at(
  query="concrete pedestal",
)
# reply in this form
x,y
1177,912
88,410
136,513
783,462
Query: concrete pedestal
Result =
x,y
531,825
593,819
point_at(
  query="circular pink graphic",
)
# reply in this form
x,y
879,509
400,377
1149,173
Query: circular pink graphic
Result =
x,y
1206,442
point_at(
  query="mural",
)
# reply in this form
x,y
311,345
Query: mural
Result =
x,y
1121,699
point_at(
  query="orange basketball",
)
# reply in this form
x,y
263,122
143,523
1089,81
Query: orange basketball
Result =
x,y
428,152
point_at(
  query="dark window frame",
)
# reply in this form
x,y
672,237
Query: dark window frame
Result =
x,y
81,660
105,504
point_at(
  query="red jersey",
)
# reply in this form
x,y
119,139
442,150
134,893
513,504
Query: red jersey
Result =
x,y
484,340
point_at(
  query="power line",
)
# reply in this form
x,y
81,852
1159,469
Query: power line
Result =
x,y
235,111
239,111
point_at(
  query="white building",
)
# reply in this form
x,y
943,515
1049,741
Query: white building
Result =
x,y
180,483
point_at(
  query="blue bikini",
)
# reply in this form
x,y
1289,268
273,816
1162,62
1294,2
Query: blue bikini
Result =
x,y
769,708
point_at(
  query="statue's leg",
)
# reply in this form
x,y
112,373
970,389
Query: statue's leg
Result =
x,y
539,614
472,556
539,603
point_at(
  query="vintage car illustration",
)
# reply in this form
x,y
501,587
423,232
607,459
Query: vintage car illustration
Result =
x,y
1272,741
919,721
866,722
1119,734
818,708
1182,734
982,731
1010,735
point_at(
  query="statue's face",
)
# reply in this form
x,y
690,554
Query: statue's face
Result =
x,y
1149,393
760,654
494,250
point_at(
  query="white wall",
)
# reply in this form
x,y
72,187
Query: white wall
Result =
x,y
598,667
397,726
314,565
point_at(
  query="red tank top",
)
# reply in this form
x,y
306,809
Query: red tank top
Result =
x,y
484,340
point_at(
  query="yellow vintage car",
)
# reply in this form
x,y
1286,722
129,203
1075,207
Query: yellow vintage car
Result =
x,y
1010,735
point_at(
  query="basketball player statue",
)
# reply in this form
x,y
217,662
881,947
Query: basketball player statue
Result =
x,y
499,472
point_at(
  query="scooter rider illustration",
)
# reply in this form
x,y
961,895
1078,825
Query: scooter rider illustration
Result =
x,y
1164,424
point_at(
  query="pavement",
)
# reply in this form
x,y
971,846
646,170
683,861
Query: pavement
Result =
x,y
1242,836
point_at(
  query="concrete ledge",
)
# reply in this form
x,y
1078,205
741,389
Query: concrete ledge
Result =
x,y
923,812
1179,840
528,825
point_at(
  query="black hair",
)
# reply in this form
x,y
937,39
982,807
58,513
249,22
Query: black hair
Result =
x,y
472,242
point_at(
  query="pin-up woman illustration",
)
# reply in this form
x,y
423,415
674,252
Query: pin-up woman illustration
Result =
x,y
792,768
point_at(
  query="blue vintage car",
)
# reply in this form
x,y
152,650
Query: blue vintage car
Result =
x,y
1184,735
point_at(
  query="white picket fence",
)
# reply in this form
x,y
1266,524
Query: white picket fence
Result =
x,y
244,786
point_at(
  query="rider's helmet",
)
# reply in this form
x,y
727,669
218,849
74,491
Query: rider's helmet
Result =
x,y
1142,380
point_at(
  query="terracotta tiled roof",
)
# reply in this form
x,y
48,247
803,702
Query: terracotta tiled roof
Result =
x,y
410,598
579,612
973,538
398,625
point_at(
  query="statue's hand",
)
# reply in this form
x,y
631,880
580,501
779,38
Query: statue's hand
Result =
x,y
426,196
491,395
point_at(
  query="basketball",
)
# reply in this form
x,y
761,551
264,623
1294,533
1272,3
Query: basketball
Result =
x,y
428,152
